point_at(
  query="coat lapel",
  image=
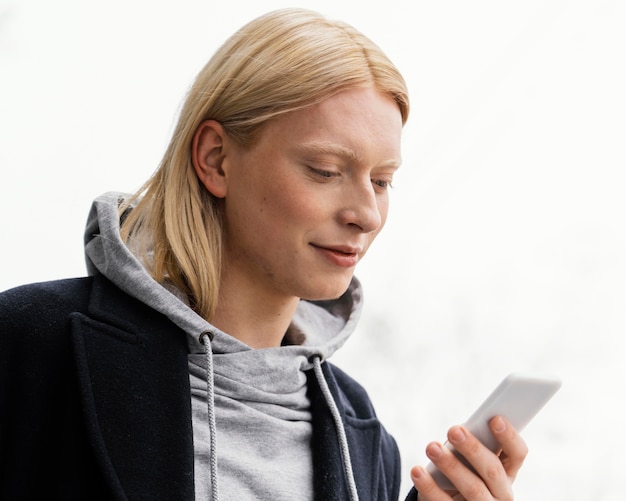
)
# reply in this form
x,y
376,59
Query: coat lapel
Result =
x,y
364,441
132,368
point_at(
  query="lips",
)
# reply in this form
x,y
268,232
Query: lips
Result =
x,y
344,256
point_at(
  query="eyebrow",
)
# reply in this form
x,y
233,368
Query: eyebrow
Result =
x,y
326,148
338,150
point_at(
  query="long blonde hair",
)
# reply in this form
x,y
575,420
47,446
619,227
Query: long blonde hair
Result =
x,y
280,62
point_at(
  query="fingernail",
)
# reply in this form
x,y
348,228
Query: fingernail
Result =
x,y
498,425
433,450
417,472
456,435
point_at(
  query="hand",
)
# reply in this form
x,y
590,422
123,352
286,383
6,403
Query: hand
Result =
x,y
494,475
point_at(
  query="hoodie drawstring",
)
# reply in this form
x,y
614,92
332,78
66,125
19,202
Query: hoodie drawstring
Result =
x,y
205,339
341,432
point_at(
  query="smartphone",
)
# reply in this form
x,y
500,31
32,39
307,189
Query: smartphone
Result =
x,y
518,398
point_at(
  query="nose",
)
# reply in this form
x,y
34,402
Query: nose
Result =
x,y
363,208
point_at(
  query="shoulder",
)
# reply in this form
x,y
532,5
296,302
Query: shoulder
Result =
x,y
42,306
45,296
49,288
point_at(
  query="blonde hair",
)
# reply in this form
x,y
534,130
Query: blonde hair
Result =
x,y
280,62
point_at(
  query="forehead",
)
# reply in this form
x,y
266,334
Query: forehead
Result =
x,y
354,123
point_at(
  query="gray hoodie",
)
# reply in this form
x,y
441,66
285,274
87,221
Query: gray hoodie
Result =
x,y
251,418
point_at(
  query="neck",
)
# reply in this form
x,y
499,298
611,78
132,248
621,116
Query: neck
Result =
x,y
255,319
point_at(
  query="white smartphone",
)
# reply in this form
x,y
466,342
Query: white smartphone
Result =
x,y
519,397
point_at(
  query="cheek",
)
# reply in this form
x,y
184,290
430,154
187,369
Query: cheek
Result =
x,y
269,219
291,202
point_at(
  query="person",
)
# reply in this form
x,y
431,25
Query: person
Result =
x,y
192,361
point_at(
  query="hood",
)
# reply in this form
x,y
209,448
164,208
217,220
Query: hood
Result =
x,y
326,325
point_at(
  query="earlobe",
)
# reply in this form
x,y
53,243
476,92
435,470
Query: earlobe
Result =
x,y
207,156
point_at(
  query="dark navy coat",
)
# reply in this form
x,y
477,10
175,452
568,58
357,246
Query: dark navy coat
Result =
x,y
95,404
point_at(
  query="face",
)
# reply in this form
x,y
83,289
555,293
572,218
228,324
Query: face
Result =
x,y
305,202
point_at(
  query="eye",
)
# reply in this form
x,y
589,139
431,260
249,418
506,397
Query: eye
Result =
x,y
382,183
326,174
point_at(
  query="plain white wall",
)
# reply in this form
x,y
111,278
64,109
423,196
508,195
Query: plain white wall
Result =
x,y
505,245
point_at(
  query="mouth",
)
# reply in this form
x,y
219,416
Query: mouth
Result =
x,y
342,255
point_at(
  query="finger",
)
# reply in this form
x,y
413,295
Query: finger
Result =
x,y
478,474
514,449
426,486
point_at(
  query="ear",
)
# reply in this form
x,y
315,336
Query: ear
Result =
x,y
207,156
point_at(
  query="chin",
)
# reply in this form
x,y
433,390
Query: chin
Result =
x,y
328,292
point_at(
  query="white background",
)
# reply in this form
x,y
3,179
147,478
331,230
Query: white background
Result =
x,y
505,249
